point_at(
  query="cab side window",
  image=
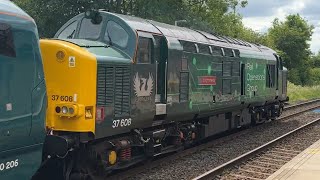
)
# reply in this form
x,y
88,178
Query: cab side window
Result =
x,y
7,47
69,31
144,50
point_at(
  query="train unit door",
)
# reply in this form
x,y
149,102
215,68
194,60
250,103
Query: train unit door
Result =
x,y
148,81
20,155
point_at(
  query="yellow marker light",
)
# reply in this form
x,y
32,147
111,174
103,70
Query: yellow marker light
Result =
x,y
112,157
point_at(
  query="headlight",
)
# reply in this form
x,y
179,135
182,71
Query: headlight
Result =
x,y
64,110
67,110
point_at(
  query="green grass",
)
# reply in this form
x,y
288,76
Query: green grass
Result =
x,y
301,93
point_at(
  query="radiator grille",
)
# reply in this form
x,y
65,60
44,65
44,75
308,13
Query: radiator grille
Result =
x,y
113,88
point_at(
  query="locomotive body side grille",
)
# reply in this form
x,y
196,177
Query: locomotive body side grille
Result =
x,y
113,88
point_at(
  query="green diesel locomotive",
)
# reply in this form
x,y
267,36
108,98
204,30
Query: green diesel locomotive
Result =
x,y
123,89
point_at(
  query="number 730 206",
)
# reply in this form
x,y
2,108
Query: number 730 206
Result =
x,y
9,165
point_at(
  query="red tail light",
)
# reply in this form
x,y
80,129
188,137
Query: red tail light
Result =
x,y
100,114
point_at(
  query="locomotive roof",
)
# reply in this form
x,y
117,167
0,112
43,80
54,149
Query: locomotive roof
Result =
x,y
10,9
183,33
174,34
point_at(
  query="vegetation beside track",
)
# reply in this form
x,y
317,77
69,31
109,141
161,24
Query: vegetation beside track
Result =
x,y
302,93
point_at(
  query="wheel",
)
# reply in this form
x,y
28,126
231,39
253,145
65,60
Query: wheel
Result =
x,y
280,111
255,118
270,115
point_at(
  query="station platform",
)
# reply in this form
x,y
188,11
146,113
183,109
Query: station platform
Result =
x,y
305,166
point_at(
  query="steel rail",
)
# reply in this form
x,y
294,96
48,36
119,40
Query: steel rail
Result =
x,y
301,104
218,170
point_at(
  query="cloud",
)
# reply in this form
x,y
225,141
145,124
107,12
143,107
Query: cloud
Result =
x,y
312,8
259,14
315,42
262,8
259,24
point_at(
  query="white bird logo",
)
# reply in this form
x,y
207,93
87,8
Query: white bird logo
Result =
x,y
145,88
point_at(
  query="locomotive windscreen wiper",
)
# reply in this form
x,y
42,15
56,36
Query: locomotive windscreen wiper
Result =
x,y
110,41
88,46
70,36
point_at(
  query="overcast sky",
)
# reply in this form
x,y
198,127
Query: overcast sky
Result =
x,y
259,15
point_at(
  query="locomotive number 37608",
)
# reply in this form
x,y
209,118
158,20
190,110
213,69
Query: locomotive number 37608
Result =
x,y
62,98
121,123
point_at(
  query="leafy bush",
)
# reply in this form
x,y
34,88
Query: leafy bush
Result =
x,y
315,76
294,76
300,93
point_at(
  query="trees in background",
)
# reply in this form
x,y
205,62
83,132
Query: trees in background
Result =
x,y
289,37
209,15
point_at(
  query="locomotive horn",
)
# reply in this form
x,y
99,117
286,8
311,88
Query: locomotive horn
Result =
x,y
94,15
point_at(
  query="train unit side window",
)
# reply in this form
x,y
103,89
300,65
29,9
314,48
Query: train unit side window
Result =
x,y
6,41
144,50
69,31
271,76
88,30
116,34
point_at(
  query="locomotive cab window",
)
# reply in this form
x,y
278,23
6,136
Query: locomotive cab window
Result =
x,y
88,30
271,76
115,34
144,50
69,31
6,41
281,63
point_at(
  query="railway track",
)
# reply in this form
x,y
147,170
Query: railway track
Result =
x,y
132,173
263,161
291,106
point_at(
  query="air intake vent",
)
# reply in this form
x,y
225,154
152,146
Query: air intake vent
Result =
x,y
113,88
